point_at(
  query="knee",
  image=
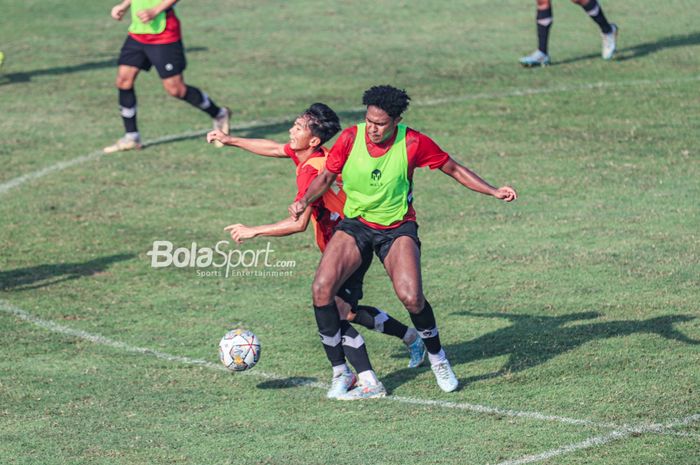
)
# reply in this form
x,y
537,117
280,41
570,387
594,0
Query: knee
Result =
x,y
413,301
177,90
321,291
544,4
124,82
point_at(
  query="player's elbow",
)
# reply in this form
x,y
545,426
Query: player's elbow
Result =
x,y
450,168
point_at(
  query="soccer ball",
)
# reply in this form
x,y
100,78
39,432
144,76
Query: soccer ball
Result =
x,y
239,350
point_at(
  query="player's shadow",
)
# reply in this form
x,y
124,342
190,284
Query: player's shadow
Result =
x,y
26,76
34,277
287,383
643,49
532,340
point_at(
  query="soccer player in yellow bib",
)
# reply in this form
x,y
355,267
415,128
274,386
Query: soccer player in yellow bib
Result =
x,y
155,40
377,160
313,128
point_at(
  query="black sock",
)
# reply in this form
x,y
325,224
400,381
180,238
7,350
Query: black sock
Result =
x,y
544,22
127,108
328,323
596,13
427,328
199,99
354,347
377,320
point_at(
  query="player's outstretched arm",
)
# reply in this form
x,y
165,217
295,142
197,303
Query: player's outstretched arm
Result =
x,y
119,9
264,147
471,180
316,189
286,227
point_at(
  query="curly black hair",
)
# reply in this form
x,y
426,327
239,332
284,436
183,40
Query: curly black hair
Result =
x,y
322,120
390,99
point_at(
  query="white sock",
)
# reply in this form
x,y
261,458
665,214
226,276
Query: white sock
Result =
x,y
410,336
368,378
135,136
437,358
340,369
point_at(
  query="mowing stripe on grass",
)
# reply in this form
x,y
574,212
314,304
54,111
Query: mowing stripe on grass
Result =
x,y
6,307
18,181
596,441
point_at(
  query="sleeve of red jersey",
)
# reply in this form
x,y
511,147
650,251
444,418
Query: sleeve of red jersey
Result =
x,y
304,179
427,153
290,153
341,150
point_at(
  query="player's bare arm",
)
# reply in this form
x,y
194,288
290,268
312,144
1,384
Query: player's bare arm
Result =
x,y
471,180
148,14
316,189
263,147
119,9
286,227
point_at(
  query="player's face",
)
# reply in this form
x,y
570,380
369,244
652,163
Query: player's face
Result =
x,y
300,135
380,126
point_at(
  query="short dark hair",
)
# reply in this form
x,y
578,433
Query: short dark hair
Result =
x,y
390,99
322,120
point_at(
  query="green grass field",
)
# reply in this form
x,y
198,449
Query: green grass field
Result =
x,y
570,316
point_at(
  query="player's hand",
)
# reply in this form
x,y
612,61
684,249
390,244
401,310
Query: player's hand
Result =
x,y
296,209
239,232
147,15
118,12
217,134
506,193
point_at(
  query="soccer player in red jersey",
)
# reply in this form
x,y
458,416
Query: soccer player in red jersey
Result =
x,y
377,159
310,131
155,40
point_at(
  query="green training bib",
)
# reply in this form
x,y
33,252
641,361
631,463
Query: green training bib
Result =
x,y
155,26
377,189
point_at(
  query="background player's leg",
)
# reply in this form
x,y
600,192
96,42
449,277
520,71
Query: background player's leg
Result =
x,y
126,76
607,30
544,18
176,87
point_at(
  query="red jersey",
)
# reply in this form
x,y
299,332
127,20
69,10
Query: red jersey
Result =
x,y
327,211
421,151
168,36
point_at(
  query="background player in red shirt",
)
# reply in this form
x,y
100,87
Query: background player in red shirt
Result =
x,y
392,236
310,131
155,40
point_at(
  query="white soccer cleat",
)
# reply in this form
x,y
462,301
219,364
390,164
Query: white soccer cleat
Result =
x,y
536,58
221,122
364,391
123,144
341,384
445,377
609,43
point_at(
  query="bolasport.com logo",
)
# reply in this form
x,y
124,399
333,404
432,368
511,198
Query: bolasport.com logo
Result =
x,y
222,260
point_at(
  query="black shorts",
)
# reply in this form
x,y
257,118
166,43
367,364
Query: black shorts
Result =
x,y
169,59
379,241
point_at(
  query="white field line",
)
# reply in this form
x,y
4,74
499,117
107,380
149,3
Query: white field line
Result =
x,y
6,307
18,181
596,441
